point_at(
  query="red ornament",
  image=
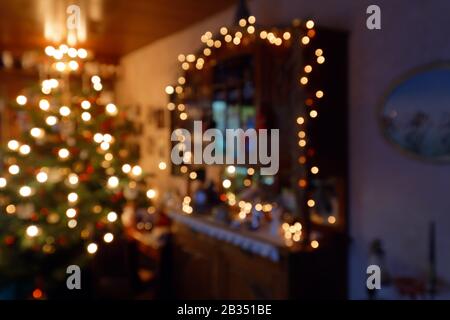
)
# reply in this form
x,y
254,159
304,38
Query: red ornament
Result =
x,y
117,197
84,177
9,240
90,169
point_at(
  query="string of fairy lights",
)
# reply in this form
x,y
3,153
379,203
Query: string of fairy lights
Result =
x,y
243,34
67,60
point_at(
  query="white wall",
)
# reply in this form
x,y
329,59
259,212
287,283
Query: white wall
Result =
x,y
392,197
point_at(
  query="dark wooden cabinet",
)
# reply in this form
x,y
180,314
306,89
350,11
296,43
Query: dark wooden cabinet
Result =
x,y
208,268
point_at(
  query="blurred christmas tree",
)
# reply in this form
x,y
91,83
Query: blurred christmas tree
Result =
x,y
67,175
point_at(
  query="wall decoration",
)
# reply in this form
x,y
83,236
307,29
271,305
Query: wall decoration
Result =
x,y
415,114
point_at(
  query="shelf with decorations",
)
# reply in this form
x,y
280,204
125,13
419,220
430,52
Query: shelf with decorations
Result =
x,y
254,77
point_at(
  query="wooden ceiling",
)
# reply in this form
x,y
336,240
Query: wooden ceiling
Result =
x,y
114,27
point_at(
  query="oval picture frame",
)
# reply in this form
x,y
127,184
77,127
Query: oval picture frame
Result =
x,y
414,131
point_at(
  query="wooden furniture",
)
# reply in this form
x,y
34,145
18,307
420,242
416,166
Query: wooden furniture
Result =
x,y
258,85
207,268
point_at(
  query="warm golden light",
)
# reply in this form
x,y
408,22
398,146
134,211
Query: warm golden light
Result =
x,y
104,145
226,183
223,31
10,209
136,170
86,116
314,170
303,80
319,94
51,120
98,86
112,110
190,58
108,237
231,169
72,52
171,106
21,100
170,90
60,66
300,120
314,244
207,51
331,220
319,52
242,23
42,177
86,105
286,35
63,153
313,114
98,137
263,34
320,59
72,197
151,194
126,168
64,111
311,203
183,116
72,223
44,105
308,68
25,191
37,132
162,165
32,231
73,65
73,179
193,175
25,149
302,143
92,248
113,182
250,171
14,169
71,213
112,216
82,53
13,145
49,50
305,40
309,24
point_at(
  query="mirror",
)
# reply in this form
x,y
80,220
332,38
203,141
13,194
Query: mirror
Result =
x,y
415,115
